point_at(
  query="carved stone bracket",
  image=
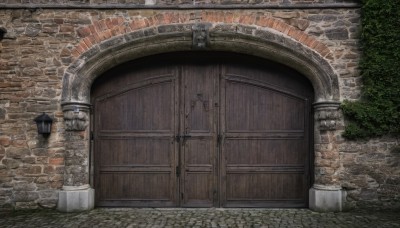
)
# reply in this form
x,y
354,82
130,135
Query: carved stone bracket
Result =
x,y
76,116
327,114
201,37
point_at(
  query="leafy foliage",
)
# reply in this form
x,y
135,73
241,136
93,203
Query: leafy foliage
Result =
x,y
378,111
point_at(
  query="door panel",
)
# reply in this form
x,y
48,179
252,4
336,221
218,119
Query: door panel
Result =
x,y
135,149
265,149
259,105
200,92
190,130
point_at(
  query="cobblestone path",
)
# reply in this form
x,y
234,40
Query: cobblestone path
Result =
x,y
123,217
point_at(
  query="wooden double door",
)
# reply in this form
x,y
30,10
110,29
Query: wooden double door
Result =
x,y
192,130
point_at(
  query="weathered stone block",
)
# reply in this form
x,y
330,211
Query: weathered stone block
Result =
x,y
24,187
48,203
40,152
26,205
25,196
11,163
17,153
337,34
33,30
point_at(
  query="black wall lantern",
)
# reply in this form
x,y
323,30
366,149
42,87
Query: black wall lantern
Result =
x,y
43,123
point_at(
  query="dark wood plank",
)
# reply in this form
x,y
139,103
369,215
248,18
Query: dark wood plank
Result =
x,y
265,122
200,92
135,124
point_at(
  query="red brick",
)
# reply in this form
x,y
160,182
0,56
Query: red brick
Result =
x,y
158,19
66,28
228,17
261,21
96,37
247,19
103,25
75,53
83,45
120,20
109,23
280,26
270,22
320,47
309,40
107,34
92,39
59,21
114,21
56,161
92,29
88,43
303,37
115,31
171,18
184,18
325,52
138,24
314,43
79,49
98,26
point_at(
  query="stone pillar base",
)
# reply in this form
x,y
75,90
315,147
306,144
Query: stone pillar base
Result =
x,y
74,199
326,198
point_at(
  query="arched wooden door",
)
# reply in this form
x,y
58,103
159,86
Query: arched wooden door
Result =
x,y
202,130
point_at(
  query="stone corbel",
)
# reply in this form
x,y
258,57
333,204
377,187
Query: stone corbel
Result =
x,y
76,116
327,114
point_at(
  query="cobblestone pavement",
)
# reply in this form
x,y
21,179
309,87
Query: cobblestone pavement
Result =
x,y
214,217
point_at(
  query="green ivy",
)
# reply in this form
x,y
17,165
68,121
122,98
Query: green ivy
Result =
x,y
377,113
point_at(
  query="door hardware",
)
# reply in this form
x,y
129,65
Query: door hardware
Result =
x,y
183,137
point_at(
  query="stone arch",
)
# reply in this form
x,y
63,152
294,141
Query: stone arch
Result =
x,y
110,42
278,42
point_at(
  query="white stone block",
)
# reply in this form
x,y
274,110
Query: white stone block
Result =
x,y
76,200
326,198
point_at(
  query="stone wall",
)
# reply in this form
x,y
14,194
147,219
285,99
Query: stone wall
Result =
x,y
42,43
370,172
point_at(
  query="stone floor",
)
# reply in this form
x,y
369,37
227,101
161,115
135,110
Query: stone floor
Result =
x,y
123,217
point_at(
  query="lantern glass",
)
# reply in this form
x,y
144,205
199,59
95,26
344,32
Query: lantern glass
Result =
x,y
43,123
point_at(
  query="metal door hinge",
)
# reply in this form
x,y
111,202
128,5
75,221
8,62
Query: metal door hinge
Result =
x,y
178,171
215,195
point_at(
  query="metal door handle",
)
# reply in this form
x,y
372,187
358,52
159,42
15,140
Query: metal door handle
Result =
x,y
183,137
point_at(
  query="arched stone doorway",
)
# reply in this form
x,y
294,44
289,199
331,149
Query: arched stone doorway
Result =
x,y
78,79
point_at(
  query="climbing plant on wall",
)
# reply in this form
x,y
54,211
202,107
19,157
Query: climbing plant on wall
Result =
x,y
377,113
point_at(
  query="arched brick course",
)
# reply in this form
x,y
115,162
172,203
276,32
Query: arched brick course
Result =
x,y
107,28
